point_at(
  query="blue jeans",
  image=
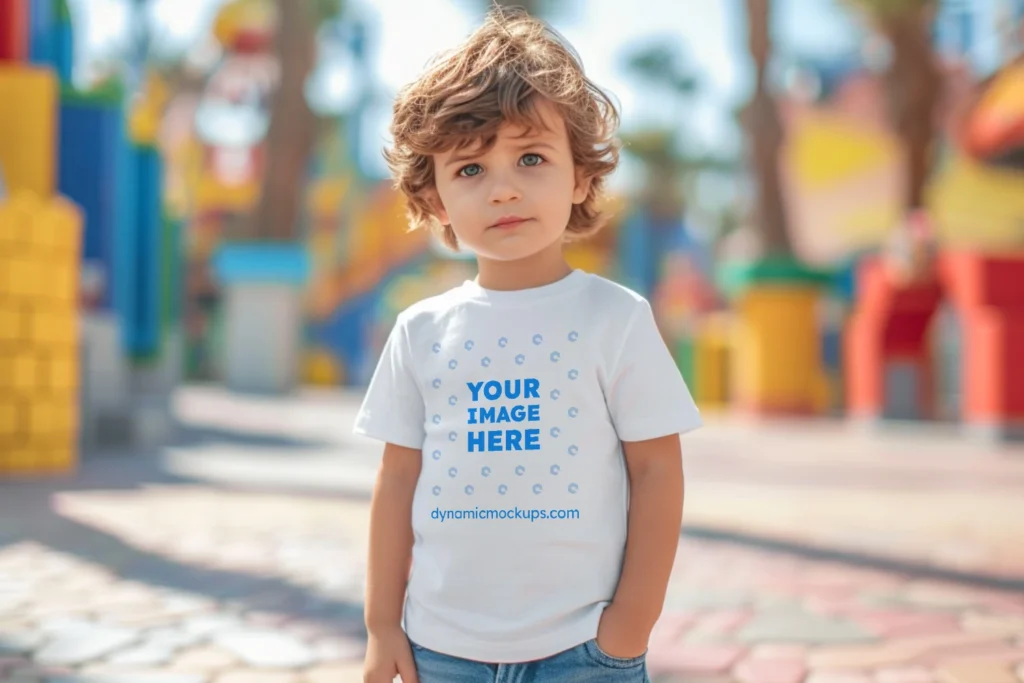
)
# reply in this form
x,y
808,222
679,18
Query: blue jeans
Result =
x,y
584,663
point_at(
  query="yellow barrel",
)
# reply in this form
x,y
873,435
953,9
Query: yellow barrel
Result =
x,y
777,359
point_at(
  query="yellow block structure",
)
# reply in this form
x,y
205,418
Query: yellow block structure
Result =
x,y
712,361
777,359
39,257
28,128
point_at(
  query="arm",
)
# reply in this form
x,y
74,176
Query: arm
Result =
x,y
655,516
388,652
390,554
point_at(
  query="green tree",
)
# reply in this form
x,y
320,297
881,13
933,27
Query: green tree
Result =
x,y
661,64
913,82
660,149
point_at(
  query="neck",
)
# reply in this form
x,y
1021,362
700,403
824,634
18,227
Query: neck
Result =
x,y
543,268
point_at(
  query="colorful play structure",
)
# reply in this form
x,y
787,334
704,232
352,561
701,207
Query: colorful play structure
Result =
x,y
939,346
88,271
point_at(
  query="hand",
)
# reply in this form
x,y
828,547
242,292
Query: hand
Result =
x,y
388,654
619,636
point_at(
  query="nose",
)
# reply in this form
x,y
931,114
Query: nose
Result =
x,y
503,190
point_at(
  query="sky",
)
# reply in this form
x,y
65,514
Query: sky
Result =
x,y
712,33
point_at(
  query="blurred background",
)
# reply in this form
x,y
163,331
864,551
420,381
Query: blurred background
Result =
x,y
201,256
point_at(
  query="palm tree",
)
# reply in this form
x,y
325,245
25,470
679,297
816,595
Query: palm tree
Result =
x,y
913,83
293,124
671,168
765,137
662,65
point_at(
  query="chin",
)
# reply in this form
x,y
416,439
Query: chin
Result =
x,y
513,248
511,253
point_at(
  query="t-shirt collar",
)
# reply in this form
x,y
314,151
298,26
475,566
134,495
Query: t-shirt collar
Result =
x,y
570,282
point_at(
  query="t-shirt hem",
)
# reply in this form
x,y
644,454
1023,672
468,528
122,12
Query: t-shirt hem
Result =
x,y
404,440
653,429
509,652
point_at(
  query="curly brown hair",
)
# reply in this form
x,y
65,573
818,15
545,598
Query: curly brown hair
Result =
x,y
495,78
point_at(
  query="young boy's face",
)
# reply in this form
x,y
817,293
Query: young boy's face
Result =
x,y
514,200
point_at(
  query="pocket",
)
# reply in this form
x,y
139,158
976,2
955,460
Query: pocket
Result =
x,y
601,657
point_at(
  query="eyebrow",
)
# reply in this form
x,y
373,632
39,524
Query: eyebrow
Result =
x,y
459,158
536,144
530,143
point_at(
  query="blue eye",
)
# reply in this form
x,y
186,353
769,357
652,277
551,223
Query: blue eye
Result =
x,y
532,160
470,170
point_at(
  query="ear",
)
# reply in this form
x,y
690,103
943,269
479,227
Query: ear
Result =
x,y
436,206
582,187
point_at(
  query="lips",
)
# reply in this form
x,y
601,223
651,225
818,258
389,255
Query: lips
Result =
x,y
509,222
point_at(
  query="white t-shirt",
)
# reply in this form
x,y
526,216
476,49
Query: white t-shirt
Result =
x,y
518,401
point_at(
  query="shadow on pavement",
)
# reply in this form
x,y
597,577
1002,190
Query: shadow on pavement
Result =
x,y
195,435
29,513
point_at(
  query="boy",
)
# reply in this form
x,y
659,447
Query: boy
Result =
x,y
532,473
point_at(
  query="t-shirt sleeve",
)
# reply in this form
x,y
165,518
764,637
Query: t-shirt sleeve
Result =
x,y
392,410
647,396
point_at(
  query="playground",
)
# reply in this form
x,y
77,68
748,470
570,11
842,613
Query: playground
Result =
x,y
116,279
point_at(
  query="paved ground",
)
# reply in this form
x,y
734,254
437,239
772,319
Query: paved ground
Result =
x,y
918,496
238,556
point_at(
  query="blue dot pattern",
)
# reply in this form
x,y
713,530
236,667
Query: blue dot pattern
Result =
x,y
555,393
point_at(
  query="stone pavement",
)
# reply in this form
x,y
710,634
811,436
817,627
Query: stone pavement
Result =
x,y
910,496
238,556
